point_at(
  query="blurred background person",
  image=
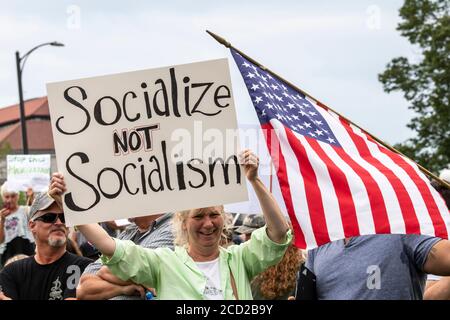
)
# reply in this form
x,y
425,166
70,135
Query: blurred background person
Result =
x,y
250,224
15,237
438,288
30,196
227,235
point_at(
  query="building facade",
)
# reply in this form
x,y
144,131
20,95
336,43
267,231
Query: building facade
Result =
x,y
39,132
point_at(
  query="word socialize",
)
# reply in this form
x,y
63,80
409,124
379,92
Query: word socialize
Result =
x,y
127,117
152,106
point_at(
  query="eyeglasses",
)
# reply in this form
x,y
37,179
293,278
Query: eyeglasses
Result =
x,y
51,217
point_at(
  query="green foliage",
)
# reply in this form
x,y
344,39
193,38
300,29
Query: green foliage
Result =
x,y
425,85
5,149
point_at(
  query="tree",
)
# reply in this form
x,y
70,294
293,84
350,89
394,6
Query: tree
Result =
x,y
426,24
5,149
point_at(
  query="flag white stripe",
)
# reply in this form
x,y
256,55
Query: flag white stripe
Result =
x,y
329,198
425,222
296,184
390,200
393,208
357,189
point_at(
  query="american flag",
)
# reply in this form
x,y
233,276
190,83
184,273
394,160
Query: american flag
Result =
x,y
336,180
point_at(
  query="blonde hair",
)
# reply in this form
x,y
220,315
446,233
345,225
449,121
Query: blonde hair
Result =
x,y
179,219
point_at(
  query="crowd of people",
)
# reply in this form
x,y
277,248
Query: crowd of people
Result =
x,y
203,254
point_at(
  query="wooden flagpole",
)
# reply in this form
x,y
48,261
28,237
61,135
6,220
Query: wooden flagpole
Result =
x,y
228,45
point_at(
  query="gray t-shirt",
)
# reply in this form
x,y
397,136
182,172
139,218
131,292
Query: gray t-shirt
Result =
x,y
376,267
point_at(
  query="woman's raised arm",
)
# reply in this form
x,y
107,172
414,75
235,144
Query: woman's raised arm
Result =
x,y
275,221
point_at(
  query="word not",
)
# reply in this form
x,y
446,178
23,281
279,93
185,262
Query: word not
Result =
x,y
161,105
133,139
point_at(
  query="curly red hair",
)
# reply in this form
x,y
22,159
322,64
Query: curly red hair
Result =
x,y
280,279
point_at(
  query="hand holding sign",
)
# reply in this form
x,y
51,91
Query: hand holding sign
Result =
x,y
57,188
250,163
159,139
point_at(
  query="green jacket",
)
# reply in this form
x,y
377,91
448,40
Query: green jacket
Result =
x,y
175,276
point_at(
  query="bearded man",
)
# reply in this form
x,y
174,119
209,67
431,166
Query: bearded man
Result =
x,y
52,273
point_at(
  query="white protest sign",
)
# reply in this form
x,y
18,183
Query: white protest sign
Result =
x,y
25,171
147,142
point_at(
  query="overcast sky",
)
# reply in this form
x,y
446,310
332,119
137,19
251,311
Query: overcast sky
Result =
x,y
333,50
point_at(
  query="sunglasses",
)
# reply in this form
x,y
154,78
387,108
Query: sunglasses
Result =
x,y
51,217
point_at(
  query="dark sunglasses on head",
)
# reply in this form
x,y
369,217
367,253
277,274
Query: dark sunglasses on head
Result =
x,y
51,217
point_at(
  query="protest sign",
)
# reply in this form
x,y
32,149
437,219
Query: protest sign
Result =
x,y
147,142
28,171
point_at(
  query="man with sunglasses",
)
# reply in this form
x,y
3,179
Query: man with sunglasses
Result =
x,y
52,273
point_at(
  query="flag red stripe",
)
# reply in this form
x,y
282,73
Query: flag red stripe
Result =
x,y
438,223
404,200
278,158
313,193
376,201
344,196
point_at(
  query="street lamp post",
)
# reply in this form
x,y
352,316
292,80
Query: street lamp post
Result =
x,y
20,63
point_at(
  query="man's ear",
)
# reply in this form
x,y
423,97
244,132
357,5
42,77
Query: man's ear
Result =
x,y
31,225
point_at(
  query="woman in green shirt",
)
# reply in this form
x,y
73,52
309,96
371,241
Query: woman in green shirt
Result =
x,y
198,268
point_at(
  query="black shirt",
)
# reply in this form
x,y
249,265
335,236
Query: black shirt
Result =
x,y
16,246
27,280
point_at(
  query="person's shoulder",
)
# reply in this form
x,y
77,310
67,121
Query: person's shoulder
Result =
x,y
326,246
75,259
395,242
24,210
165,220
19,265
163,250
419,241
129,230
420,237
